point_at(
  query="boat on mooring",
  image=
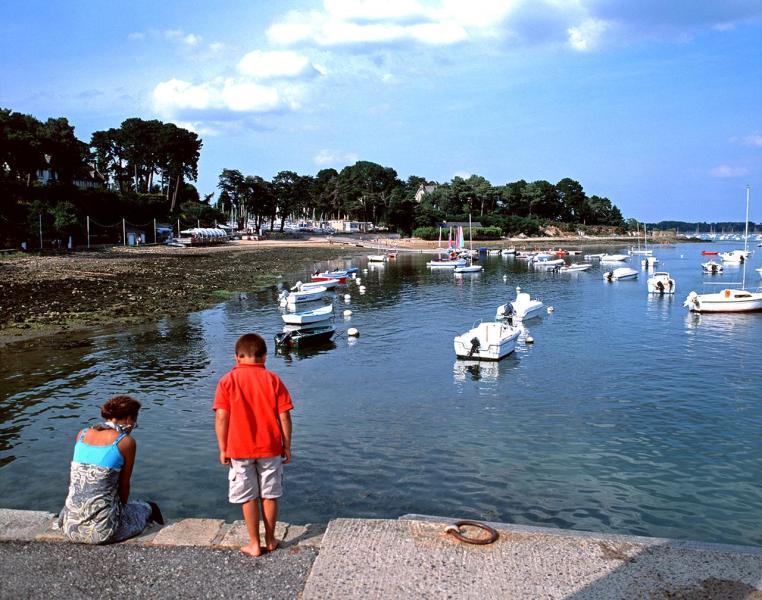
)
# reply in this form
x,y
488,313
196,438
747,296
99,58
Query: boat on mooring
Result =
x,y
661,283
620,273
490,340
300,338
729,300
309,316
712,267
520,308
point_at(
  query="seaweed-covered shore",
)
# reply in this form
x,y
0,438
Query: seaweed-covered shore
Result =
x,y
45,295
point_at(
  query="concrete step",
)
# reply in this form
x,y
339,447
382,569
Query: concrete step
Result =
x,y
415,558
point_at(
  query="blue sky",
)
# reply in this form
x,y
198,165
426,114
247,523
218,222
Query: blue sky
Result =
x,y
655,105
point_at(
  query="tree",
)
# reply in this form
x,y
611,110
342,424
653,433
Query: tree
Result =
x,y
231,184
573,199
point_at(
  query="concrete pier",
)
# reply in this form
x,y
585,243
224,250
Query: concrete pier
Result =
x,y
412,557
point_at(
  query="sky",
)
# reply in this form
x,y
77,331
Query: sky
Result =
x,y
655,105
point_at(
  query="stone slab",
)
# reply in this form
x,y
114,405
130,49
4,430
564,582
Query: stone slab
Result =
x,y
188,532
237,536
418,559
23,525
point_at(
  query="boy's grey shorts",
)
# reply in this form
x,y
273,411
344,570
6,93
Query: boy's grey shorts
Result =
x,y
252,478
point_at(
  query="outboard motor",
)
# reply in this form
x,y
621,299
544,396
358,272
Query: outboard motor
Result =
x,y
475,345
660,287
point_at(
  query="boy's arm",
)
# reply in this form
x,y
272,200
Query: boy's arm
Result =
x,y
221,423
285,429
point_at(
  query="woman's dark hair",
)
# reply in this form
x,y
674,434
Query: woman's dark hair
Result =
x,y
120,407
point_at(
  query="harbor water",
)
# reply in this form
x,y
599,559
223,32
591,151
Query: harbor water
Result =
x,y
627,414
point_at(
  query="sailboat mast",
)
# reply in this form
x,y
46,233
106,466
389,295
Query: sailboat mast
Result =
x,y
470,237
746,230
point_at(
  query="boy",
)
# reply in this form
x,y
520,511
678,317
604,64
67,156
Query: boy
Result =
x,y
253,426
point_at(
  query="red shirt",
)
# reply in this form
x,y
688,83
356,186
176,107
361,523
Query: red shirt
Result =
x,y
254,397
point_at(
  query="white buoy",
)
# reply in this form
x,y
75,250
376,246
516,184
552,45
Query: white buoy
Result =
x,y
365,271
354,275
362,289
353,332
550,309
529,339
359,281
347,297
505,277
347,313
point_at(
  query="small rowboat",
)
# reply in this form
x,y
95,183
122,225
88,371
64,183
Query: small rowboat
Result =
x,y
309,316
328,284
304,296
329,277
709,253
312,336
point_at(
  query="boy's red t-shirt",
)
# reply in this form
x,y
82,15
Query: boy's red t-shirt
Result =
x,y
254,397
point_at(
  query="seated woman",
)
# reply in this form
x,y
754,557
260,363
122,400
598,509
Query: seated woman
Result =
x,y
97,510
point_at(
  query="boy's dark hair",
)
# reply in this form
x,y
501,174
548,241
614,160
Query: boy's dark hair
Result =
x,y
120,407
250,345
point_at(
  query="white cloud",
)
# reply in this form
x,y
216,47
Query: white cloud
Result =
x,y
177,97
755,139
367,22
331,157
462,174
249,97
268,65
179,36
587,35
216,46
728,171
136,36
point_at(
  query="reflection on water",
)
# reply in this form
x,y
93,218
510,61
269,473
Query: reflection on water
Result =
x,y
627,413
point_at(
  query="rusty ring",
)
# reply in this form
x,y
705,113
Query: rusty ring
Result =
x,y
458,535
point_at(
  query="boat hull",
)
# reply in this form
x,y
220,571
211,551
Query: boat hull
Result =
x,y
304,337
495,341
311,316
727,301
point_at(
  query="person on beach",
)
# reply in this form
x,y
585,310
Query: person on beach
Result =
x,y
253,426
97,509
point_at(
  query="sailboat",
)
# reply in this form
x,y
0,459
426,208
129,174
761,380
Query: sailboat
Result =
x,y
469,267
730,299
642,251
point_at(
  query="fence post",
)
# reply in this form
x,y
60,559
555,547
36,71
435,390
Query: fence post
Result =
x,y
40,231
178,227
124,231
154,231
88,232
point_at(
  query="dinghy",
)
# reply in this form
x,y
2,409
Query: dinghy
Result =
x,y
312,336
521,308
309,316
620,273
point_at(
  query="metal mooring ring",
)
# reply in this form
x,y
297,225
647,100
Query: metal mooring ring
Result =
x,y
455,531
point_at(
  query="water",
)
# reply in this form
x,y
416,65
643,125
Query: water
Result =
x,y
627,414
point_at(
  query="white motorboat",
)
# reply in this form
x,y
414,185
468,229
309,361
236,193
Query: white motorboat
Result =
x,y
661,283
738,300
468,268
508,251
521,308
712,267
291,298
759,271
487,341
620,273
446,263
613,257
735,257
649,262
328,284
377,257
493,252
575,268
593,256
546,261
725,301
525,254
310,316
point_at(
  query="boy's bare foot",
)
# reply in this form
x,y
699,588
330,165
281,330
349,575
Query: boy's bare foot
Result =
x,y
273,546
252,550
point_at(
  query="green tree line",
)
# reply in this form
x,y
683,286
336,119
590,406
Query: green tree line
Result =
x,y
143,170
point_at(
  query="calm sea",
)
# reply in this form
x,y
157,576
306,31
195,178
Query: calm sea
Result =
x,y
627,414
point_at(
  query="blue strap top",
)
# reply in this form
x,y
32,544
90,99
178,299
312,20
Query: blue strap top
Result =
x,y
103,456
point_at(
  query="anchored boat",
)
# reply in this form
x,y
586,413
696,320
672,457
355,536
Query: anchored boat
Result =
x,y
487,341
